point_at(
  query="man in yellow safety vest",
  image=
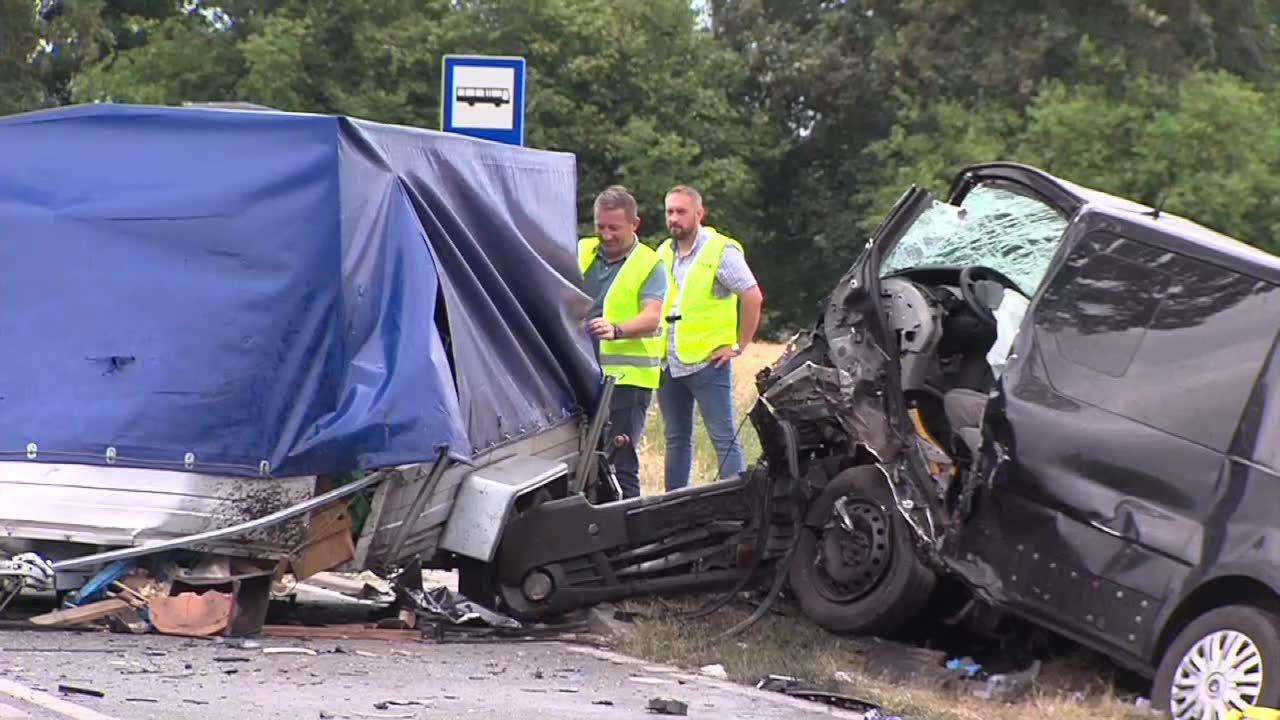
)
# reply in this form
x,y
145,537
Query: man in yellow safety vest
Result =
x,y
627,285
711,314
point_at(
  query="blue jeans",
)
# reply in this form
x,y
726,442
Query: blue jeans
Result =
x,y
712,389
626,417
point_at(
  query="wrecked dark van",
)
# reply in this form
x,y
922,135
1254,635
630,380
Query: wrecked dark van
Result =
x,y
1064,400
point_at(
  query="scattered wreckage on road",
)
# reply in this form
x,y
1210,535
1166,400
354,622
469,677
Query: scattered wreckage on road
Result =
x,y
1057,403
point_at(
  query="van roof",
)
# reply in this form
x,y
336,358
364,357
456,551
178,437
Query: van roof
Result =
x,y
1185,233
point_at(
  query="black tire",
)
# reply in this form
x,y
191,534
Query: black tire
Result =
x,y
1261,627
900,591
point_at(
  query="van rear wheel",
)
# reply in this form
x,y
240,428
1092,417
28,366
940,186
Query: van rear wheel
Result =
x,y
858,571
1225,660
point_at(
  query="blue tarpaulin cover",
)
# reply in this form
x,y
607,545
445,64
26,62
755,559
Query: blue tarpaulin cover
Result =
x,y
314,292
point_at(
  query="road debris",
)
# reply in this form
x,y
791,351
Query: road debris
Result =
x,y
128,621
83,615
362,586
443,605
288,651
716,671
77,690
967,665
339,632
8,650
794,687
667,706
1009,687
238,644
648,680
395,703
192,613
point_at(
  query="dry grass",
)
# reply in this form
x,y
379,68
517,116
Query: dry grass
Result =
x,y
793,646
1069,689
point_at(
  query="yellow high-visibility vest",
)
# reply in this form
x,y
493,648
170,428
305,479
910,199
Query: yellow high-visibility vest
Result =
x,y
634,361
705,322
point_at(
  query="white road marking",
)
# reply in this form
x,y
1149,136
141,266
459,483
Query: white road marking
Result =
x,y
49,702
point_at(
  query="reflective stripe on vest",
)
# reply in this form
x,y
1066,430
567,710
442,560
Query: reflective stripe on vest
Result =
x,y
634,361
705,322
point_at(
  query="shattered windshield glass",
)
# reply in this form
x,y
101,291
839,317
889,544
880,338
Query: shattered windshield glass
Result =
x,y
993,227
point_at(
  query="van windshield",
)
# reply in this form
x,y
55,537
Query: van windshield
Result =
x,y
994,227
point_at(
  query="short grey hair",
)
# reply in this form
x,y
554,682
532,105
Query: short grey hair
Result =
x,y
688,192
616,197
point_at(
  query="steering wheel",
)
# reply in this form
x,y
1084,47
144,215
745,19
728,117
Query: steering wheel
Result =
x,y
971,276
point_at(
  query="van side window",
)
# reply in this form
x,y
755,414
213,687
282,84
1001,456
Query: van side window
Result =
x,y
1259,438
1156,337
1101,307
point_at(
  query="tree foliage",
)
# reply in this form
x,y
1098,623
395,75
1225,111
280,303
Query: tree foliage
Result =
x,y
19,35
800,120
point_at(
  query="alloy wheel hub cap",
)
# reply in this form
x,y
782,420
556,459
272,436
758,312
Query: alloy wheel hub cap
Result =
x,y
1220,673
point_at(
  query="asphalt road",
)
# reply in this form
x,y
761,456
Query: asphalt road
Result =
x,y
170,678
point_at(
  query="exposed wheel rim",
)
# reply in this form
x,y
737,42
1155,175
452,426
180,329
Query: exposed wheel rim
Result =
x,y
852,556
1220,673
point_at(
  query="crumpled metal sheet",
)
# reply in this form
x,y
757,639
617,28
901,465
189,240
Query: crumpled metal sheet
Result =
x,y
441,603
794,687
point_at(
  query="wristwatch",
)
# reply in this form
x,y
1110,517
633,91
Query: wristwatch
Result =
x,y
736,348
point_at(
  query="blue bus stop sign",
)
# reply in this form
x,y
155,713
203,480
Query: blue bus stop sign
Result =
x,y
483,96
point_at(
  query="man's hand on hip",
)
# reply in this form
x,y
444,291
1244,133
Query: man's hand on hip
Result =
x,y
723,354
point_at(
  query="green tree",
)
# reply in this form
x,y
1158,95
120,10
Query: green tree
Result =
x,y
19,35
1208,147
860,83
597,87
185,58
644,97
79,33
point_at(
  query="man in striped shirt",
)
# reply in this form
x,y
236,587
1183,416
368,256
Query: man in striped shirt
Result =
x,y
712,312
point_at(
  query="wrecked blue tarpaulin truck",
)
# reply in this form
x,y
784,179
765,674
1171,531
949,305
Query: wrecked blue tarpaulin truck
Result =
x,y
212,317
230,330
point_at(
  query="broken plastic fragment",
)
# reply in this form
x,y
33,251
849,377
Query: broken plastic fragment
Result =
x,y
667,706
